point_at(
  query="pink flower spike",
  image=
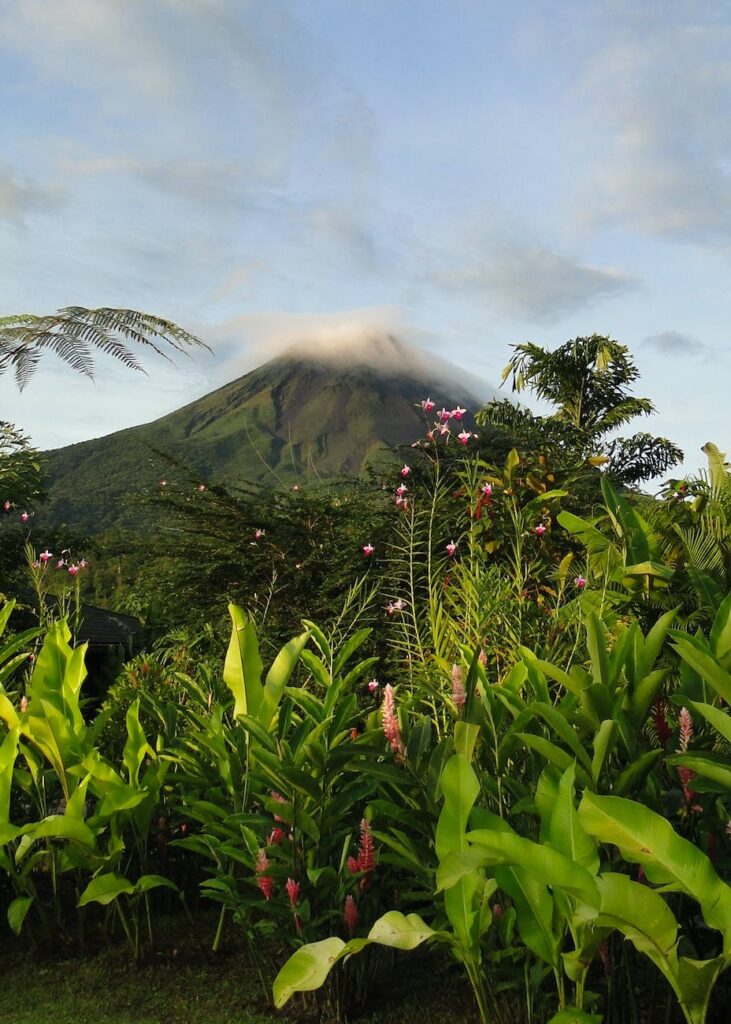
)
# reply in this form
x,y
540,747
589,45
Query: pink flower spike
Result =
x,y
451,549
389,718
368,550
276,837
373,686
580,583
292,889
427,405
73,570
459,695
458,413
45,556
685,730
540,530
350,914
405,470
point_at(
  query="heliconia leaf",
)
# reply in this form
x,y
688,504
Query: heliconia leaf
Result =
x,y
306,969
644,837
56,826
574,1016
146,882
534,907
243,667
695,652
17,912
279,675
721,629
105,889
400,931
565,832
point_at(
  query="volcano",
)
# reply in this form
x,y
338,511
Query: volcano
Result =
x,y
311,414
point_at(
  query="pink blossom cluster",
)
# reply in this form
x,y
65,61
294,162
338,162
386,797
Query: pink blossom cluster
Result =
x,y
444,416
63,562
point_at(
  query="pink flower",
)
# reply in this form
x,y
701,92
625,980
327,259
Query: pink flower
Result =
x,y
265,882
459,696
540,530
427,405
276,837
685,730
292,889
350,915
60,563
24,517
395,606
464,436
405,470
401,490
83,564
389,718
486,490
458,413
7,505
368,550
579,582
451,549
373,686
73,570
444,415
444,430
259,533
45,556
365,862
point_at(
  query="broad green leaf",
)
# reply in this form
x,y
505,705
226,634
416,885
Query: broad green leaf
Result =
x,y
534,912
460,789
306,969
136,748
17,911
632,777
492,848
604,742
243,667
400,931
56,826
721,629
645,838
694,651
565,832
105,889
146,882
279,675
716,767
596,644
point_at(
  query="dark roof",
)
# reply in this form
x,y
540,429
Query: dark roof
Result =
x,y
100,627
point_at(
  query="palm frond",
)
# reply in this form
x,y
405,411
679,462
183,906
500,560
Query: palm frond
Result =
x,y
75,332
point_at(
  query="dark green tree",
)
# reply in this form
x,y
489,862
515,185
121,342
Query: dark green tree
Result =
x,y
587,382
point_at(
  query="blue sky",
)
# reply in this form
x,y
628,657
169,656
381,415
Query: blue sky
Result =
x,y
465,173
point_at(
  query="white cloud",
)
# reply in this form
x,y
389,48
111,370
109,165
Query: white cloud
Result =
x,y
532,281
675,343
19,196
654,102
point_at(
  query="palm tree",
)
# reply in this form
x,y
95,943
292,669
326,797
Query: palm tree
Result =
x,y
73,333
587,381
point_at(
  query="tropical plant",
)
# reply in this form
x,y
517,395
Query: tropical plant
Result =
x,y
587,381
